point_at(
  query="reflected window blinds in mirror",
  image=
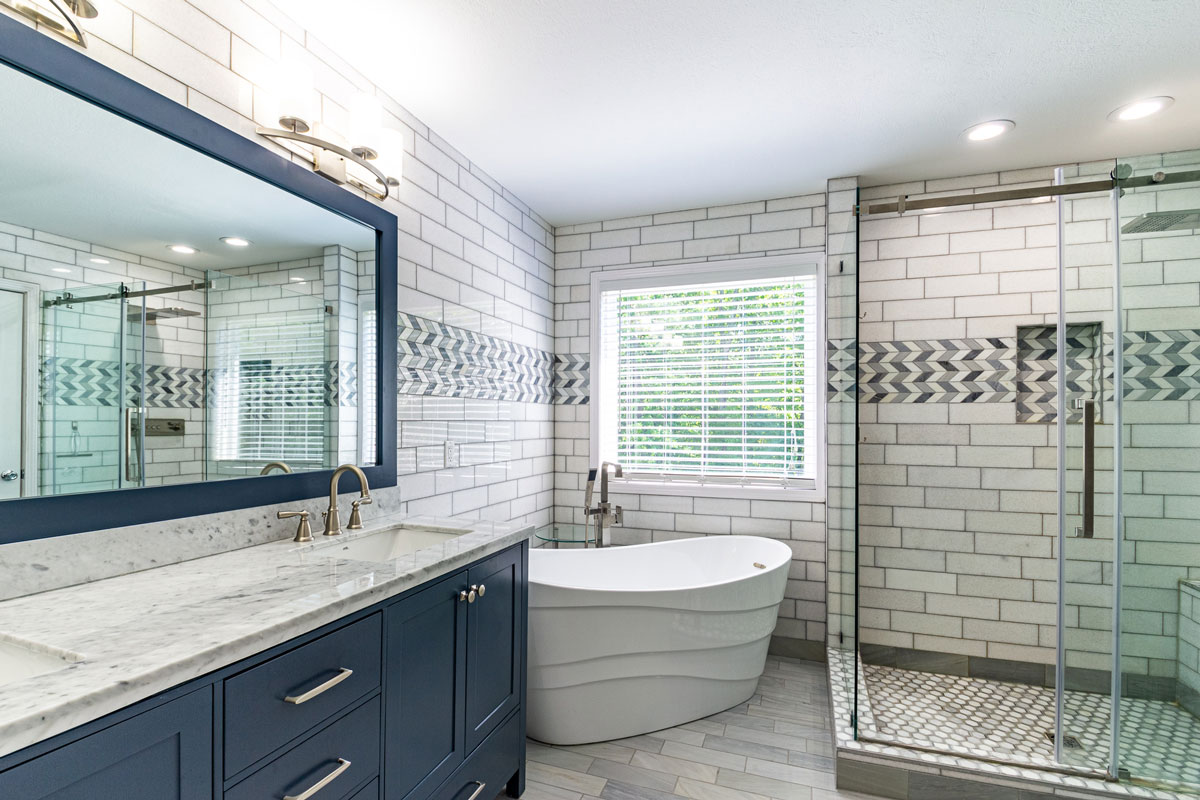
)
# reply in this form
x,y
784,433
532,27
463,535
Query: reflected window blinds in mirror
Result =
x,y
183,331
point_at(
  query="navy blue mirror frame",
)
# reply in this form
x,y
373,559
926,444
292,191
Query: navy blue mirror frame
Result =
x,y
62,67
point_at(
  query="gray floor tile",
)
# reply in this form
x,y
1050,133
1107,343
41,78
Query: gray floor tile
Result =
x,y
615,790
745,748
633,775
677,767
704,755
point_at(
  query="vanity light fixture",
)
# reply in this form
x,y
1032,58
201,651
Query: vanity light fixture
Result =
x,y
235,241
373,147
182,249
57,16
989,130
99,260
1140,109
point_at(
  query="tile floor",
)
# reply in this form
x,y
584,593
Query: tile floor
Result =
x,y
1009,721
778,745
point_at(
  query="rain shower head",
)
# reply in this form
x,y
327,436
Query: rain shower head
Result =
x,y
1160,221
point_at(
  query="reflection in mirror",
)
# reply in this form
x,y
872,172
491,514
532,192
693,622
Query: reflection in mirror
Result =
x,y
166,318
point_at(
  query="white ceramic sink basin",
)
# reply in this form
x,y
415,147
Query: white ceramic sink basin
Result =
x,y
392,543
18,662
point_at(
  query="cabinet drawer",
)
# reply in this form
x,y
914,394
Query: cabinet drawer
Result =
x,y
368,792
348,747
273,703
496,760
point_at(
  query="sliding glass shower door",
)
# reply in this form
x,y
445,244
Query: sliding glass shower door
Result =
x,y
1158,368
92,393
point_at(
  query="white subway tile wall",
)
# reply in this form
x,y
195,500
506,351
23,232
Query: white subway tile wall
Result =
x,y
765,227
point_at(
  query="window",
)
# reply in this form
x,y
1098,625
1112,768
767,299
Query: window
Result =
x,y
709,376
270,392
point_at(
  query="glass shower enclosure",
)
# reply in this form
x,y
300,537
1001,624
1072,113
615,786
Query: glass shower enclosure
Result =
x,y
1108,397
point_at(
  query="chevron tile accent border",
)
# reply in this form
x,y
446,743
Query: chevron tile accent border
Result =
x,y
80,382
1037,371
1162,365
442,360
841,371
172,387
571,381
969,370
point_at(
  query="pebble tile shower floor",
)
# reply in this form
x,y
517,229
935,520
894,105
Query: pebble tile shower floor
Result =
x,y
1009,721
778,745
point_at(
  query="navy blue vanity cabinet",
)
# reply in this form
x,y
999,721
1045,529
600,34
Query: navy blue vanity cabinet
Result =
x,y
455,674
161,754
495,642
424,684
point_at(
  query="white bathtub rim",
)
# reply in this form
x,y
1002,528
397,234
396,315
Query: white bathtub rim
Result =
x,y
785,553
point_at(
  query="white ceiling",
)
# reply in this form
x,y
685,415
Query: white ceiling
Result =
x,y
593,109
70,168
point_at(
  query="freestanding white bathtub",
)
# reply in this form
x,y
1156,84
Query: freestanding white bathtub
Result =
x,y
628,640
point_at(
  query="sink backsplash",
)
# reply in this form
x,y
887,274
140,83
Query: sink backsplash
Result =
x,y
44,564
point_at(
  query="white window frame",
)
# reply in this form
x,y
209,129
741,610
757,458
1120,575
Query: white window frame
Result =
x,y
765,267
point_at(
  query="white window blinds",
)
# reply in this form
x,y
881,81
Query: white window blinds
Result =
x,y
270,389
712,382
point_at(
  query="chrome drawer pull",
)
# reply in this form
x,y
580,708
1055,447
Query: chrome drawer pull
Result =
x,y
343,765
297,699
474,794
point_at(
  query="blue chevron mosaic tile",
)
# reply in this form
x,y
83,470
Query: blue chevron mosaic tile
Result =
x,y
1037,371
441,360
841,371
571,382
973,370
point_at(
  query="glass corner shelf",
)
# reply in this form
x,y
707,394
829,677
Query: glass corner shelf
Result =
x,y
571,535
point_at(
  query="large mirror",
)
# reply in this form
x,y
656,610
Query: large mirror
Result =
x,y
167,318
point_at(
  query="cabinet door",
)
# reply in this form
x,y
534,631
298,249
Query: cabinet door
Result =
x,y
424,676
495,633
162,754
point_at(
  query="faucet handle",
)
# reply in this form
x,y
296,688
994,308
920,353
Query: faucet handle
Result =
x,y
303,531
355,523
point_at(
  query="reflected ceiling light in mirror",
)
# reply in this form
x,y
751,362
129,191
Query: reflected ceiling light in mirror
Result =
x,y
1140,109
182,249
991,129
60,269
235,241
99,260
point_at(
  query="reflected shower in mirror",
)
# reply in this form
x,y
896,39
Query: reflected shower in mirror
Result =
x,y
166,318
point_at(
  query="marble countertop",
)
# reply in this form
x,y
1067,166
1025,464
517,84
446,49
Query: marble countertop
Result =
x,y
132,636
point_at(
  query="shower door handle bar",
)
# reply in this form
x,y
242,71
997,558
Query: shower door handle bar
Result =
x,y
1089,469
133,449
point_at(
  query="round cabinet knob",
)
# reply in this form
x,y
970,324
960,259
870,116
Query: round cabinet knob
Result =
x,y
9,475
468,596
479,589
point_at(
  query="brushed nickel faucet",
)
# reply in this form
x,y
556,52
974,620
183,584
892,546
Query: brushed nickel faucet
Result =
x,y
605,513
279,465
333,521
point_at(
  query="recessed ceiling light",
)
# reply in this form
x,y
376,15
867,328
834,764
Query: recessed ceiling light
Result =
x,y
182,249
59,269
99,260
1140,109
235,241
989,130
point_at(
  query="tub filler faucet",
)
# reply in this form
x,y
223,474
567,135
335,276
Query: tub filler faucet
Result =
x,y
605,513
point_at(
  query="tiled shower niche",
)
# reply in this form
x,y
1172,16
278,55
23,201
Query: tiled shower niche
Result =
x,y
1037,371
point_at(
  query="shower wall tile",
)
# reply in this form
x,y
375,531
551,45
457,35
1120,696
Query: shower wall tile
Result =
x,y
988,576
782,225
